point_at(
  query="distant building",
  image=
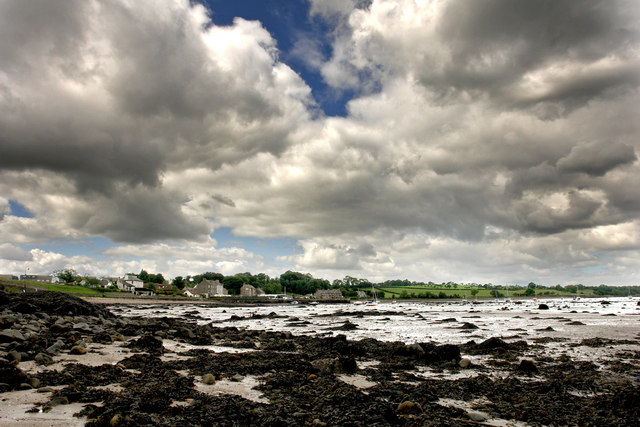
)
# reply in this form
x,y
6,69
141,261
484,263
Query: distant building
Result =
x,y
36,278
163,287
328,294
130,283
105,283
248,291
210,288
362,294
191,292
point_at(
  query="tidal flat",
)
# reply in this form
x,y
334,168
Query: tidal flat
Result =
x,y
545,362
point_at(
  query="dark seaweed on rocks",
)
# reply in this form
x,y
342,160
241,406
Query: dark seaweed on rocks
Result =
x,y
300,377
51,303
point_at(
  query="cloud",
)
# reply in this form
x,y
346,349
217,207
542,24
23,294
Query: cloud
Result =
x,y
109,96
487,138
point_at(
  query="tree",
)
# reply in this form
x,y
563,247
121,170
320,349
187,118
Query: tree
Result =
x,y
144,276
67,275
474,292
209,276
530,292
178,282
232,284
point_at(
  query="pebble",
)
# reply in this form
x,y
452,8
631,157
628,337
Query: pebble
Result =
x,y
208,379
409,408
478,417
464,363
78,349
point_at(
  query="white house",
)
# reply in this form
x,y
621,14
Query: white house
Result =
x,y
129,283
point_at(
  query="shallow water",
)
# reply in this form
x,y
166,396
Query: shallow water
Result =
x,y
410,322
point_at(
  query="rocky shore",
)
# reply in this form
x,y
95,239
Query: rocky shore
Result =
x,y
58,351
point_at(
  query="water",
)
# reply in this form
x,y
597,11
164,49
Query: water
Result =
x,y
411,322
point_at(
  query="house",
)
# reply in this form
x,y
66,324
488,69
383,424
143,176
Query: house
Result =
x,y
328,294
106,283
361,294
191,292
163,287
209,288
248,291
129,283
35,278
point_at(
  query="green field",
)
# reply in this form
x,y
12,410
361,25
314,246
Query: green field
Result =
x,y
428,291
70,289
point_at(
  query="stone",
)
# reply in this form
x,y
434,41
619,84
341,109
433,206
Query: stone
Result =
x,y
409,408
543,307
9,335
35,383
464,363
208,379
14,356
45,390
476,416
59,400
42,358
527,367
78,349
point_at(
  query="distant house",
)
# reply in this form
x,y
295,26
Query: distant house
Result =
x,y
191,292
362,294
163,287
248,291
210,288
36,278
328,294
129,283
105,283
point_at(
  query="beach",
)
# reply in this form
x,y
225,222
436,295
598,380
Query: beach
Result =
x,y
72,362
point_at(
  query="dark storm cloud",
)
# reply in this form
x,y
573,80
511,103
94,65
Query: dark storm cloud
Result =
x,y
113,95
494,44
597,158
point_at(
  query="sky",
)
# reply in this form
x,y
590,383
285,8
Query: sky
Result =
x,y
492,141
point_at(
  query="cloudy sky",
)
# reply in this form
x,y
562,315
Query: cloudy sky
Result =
x,y
474,141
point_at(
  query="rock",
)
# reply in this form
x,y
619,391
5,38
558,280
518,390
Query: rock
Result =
x,y
42,359
35,383
409,408
464,363
208,379
14,356
543,307
82,327
416,350
527,367
115,420
45,390
317,423
24,386
468,325
59,400
55,347
476,416
9,335
493,343
78,349
148,344
237,378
